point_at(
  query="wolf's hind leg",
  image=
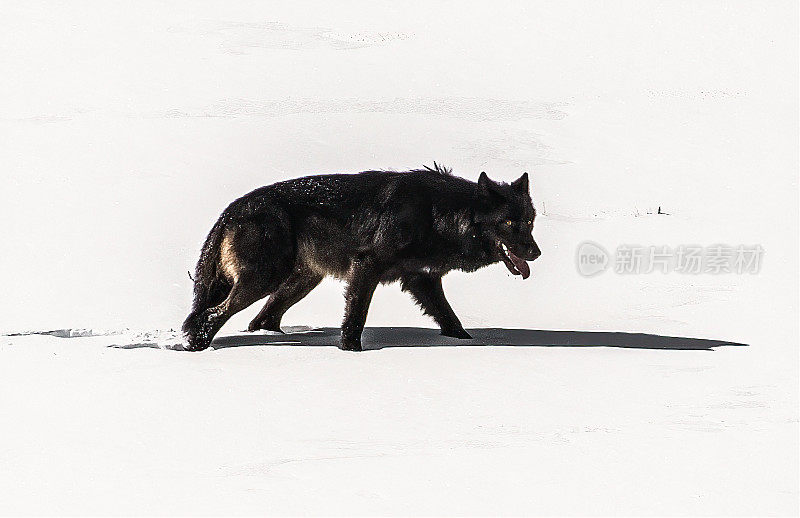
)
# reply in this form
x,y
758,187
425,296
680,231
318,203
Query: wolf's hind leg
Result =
x,y
290,292
245,291
206,295
428,293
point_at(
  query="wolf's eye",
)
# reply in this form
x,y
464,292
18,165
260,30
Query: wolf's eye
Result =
x,y
530,222
509,222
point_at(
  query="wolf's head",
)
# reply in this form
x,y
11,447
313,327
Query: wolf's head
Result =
x,y
505,222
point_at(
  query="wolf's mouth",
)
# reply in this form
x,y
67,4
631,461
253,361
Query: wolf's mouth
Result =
x,y
515,265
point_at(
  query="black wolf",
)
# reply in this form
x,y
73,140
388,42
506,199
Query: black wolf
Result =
x,y
367,228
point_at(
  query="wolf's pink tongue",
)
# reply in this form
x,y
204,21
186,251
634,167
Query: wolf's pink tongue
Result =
x,y
521,265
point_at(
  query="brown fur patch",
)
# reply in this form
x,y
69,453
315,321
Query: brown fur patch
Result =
x,y
228,261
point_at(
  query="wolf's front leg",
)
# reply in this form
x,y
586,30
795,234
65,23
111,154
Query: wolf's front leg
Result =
x,y
363,281
427,290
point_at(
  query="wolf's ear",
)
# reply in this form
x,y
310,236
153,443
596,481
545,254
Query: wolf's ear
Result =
x,y
490,189
521,183
484,181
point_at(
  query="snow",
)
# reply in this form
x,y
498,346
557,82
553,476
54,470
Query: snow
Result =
x,y
288,429
126,130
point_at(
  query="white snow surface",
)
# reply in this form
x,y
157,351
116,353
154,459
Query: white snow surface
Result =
x,y
126,129
288,429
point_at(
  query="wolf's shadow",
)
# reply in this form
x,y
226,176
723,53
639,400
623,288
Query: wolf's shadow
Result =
x,y
375,338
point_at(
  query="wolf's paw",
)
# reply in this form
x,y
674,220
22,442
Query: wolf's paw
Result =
x,y
187,346
456,333
191,342
261,326
350,345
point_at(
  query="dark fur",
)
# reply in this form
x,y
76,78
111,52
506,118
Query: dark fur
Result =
x,y
367,228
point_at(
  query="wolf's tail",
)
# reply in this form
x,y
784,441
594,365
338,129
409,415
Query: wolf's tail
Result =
x,y
210,286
